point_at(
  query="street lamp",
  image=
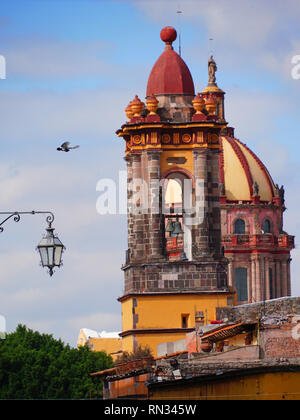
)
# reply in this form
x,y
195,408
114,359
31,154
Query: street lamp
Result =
x,y
50,247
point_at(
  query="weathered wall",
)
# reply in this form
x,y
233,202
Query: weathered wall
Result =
x,y
281,306
279,325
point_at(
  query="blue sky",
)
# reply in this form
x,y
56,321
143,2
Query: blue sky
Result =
x,y
72,68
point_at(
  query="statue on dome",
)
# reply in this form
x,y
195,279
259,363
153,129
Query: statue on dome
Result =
x,y
212,68
255,188
281,192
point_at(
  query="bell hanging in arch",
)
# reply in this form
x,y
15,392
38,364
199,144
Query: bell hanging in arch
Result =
x,y
177,228
170,226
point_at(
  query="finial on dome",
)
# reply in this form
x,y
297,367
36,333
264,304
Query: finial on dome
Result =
x,y
168,35
211,104
137,106
199,106
198,103
128,111
152,104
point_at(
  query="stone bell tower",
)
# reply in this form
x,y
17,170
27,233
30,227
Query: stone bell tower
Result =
x,y
175,271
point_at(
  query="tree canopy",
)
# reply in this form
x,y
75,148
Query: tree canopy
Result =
x,y
37,366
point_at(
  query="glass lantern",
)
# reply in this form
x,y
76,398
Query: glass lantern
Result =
x,y
50,249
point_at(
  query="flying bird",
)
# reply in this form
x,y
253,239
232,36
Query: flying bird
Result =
x,y
65,147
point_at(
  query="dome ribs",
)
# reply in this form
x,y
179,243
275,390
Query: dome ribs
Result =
x,y
221,163
170,75
243,161
262,167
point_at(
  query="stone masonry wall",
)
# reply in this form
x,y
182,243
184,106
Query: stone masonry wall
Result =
x,y
281,306
278,321
175,276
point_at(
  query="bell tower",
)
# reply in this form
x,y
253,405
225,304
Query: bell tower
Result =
x,y
175,271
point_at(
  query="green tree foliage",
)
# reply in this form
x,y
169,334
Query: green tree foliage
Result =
x,y
37,366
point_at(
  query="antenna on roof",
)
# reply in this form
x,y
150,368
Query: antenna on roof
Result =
x,y
179,28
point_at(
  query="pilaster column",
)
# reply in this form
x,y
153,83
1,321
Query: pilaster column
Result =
x,y
129,160
289,291
284,278
253,280
201,230
249,280
267,279
230,272
258,279
272,267
137,248
278,279
154,200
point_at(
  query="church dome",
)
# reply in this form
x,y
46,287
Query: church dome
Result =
x,y
170,74
242,173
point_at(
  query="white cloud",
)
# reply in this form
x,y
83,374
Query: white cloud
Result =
x,y
57,58
87,283
246,33
68,328
97,321
251,110
51,116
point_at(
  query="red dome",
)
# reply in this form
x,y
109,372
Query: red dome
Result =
x,y
170,74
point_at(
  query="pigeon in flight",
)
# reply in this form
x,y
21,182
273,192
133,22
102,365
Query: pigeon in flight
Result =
x,y
65,147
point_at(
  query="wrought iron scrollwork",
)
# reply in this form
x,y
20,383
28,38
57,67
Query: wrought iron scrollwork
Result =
x,y
16,215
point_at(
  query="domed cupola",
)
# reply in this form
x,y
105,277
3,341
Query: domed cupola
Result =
x,y
171,82
244,176
170,75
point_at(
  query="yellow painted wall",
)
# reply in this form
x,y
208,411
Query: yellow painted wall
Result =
x,y
165,312
239,339
127,343
152,340
188,165
109,345
127,315
263,386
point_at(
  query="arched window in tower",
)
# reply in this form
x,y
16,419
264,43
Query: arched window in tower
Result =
x,y
241,284
177,235
239,227
173,196
266,226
